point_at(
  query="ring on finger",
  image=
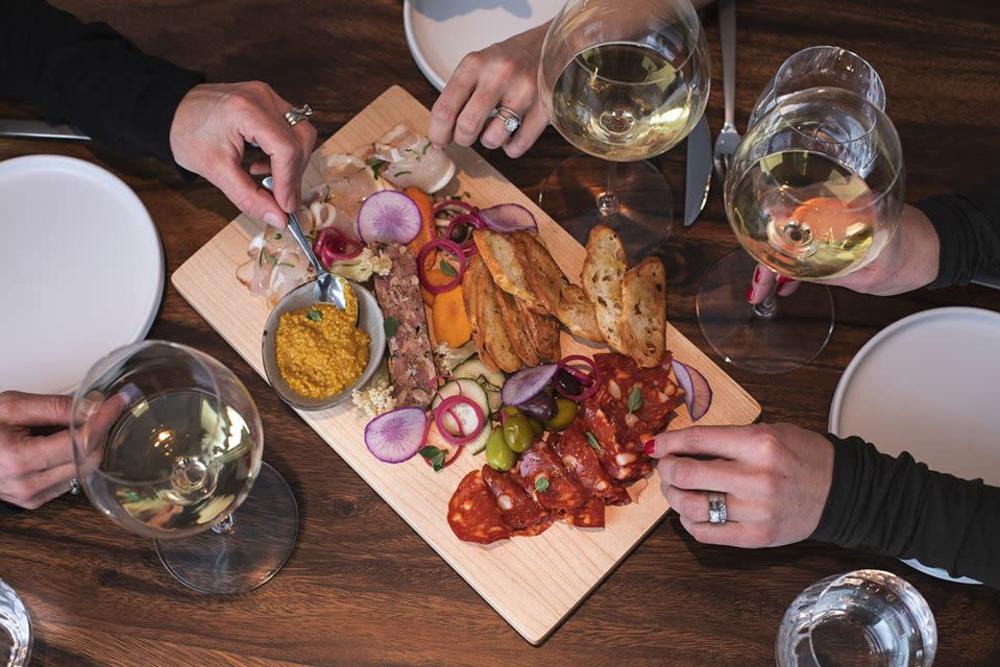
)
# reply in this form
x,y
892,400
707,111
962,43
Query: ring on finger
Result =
x,y
74,486
511,119
296,115
716,508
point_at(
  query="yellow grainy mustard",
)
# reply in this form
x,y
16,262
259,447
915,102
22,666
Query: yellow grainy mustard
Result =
x,y
319,349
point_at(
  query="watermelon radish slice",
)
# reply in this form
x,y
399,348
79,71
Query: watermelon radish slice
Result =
x,y
397,435
388,217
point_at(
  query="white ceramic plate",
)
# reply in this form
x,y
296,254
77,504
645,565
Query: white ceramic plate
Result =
x,y
441,32
81,270
927,385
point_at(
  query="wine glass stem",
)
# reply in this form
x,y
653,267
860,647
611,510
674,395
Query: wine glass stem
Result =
x,y
768,308
607,201
226,526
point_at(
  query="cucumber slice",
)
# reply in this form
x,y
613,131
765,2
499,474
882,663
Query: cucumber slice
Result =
x,y
495,400
479,444
469,389
474,369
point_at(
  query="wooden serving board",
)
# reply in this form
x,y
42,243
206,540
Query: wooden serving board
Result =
x,y
533,582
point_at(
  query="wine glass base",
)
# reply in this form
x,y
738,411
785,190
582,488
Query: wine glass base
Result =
x,y
792,338
239,560
643,217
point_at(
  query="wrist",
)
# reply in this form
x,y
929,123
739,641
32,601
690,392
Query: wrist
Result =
x,y
921,248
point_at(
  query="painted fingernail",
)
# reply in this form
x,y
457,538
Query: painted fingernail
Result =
x,y
756,275
784,280
750,294
273,219
649,447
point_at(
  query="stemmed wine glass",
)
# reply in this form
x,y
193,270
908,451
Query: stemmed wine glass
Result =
x,y
623,82
814,192
167,442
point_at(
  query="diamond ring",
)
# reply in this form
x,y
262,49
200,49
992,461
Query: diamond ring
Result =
x,y
296,115
511,119
716,508
74,486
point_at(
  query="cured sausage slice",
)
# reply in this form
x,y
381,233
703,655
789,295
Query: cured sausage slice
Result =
x,y
579,457
547,481
518,508
588,515
473,513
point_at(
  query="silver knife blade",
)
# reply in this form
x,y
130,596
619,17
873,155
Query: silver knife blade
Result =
x,y
699,171
38,129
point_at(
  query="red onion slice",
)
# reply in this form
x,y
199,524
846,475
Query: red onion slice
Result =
x,y
697,391
508,218
524,384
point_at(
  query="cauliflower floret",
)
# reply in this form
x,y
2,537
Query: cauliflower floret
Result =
x,y
376,399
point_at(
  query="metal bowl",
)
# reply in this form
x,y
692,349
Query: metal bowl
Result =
x,y
369,319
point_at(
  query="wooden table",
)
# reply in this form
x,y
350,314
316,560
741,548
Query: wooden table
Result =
x,y
361,587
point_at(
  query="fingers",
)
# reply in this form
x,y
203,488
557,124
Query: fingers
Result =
x,y
239,188
693,505
733,533
786,286
21,409
34,491
534,124
473,117
22,457
693,474
765,282
287,157
730,442
445,111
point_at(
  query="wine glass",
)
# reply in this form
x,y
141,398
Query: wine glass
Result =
x,y
15,628
820,67
865,617
167,442
814,192
623,82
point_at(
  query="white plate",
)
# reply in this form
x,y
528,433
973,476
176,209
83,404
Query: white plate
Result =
x,y
81,270
441,32
927,385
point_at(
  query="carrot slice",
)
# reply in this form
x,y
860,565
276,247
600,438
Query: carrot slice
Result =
x,y
427,232
435,277
451,323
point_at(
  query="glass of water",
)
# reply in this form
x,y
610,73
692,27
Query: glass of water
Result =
x,y
861,618
15,629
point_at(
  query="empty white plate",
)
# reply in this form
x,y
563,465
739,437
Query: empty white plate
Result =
x,y
927,385
441,32
81,270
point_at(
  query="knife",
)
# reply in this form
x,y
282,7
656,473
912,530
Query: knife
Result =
x,y
699,171
38,129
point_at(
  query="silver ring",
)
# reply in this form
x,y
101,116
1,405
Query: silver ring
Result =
x,y
74,486
716,508
511,119
296,115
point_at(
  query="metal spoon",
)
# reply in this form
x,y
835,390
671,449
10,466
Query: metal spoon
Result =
x,y
330,287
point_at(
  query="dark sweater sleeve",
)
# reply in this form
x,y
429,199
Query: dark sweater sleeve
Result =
x,y
90,76
968,227
898,507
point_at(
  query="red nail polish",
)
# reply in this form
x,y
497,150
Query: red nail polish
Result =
x,y
756,275
648,447
750,295
783,280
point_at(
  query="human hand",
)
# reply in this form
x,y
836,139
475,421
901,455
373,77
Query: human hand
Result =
x,y
34,469
908,262
776,478
210,130
505,74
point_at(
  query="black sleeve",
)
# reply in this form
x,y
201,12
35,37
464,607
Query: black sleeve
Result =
x,y
968,226
90,76
898,507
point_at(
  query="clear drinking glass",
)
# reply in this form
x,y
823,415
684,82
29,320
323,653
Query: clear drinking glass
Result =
x,y
622,81
15,628
862,618
820,67
813,192
167,443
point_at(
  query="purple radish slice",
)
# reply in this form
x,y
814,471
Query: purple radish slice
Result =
x,y
388,217
697,392
524,385
508,218
397,435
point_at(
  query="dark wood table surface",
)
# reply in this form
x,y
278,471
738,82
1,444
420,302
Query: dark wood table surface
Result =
x,y
361,587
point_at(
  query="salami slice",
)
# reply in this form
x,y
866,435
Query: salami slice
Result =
x,y
588,515
473,513
606,424
579,457
518,508
547,481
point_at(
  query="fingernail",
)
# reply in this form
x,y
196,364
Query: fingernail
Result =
x,y
750,294
274,219
784,280
756,275
649,447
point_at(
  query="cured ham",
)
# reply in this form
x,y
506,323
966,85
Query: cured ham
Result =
x,y
411,160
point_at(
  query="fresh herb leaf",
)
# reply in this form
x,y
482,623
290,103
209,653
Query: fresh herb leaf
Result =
x,y
376,165
288,264
391,326
592,441
448,270
401,173
277,236
437,457
635,399
541,484
314,314
427,144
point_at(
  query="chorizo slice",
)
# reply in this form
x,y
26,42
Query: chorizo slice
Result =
x,y
588,515
518,508
579,456
547,481
473,513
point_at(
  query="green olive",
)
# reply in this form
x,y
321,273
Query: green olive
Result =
x,y
511,411
498,455
517,432
565,414
537,427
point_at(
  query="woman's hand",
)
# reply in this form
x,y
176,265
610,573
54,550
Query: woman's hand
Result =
x,y
505,74
34,469
776,478
210,130
908,262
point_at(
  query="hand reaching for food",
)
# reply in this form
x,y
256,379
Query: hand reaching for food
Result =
x,y
34,469
776,478
502,75
210,130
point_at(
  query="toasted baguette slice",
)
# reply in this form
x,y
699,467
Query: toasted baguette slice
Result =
x,y
500,254
520,342
492,329
602,274
644,312
543,275
541,330
576,312
470,294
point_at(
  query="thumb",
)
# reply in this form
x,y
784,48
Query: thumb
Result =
x,y
20,409
249,197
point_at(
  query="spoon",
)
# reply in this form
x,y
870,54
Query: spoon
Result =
x,y
331,288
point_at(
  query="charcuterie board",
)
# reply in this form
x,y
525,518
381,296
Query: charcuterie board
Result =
x,y
532,582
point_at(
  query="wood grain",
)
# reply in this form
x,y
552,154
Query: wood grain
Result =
x,y
532,582
362,588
